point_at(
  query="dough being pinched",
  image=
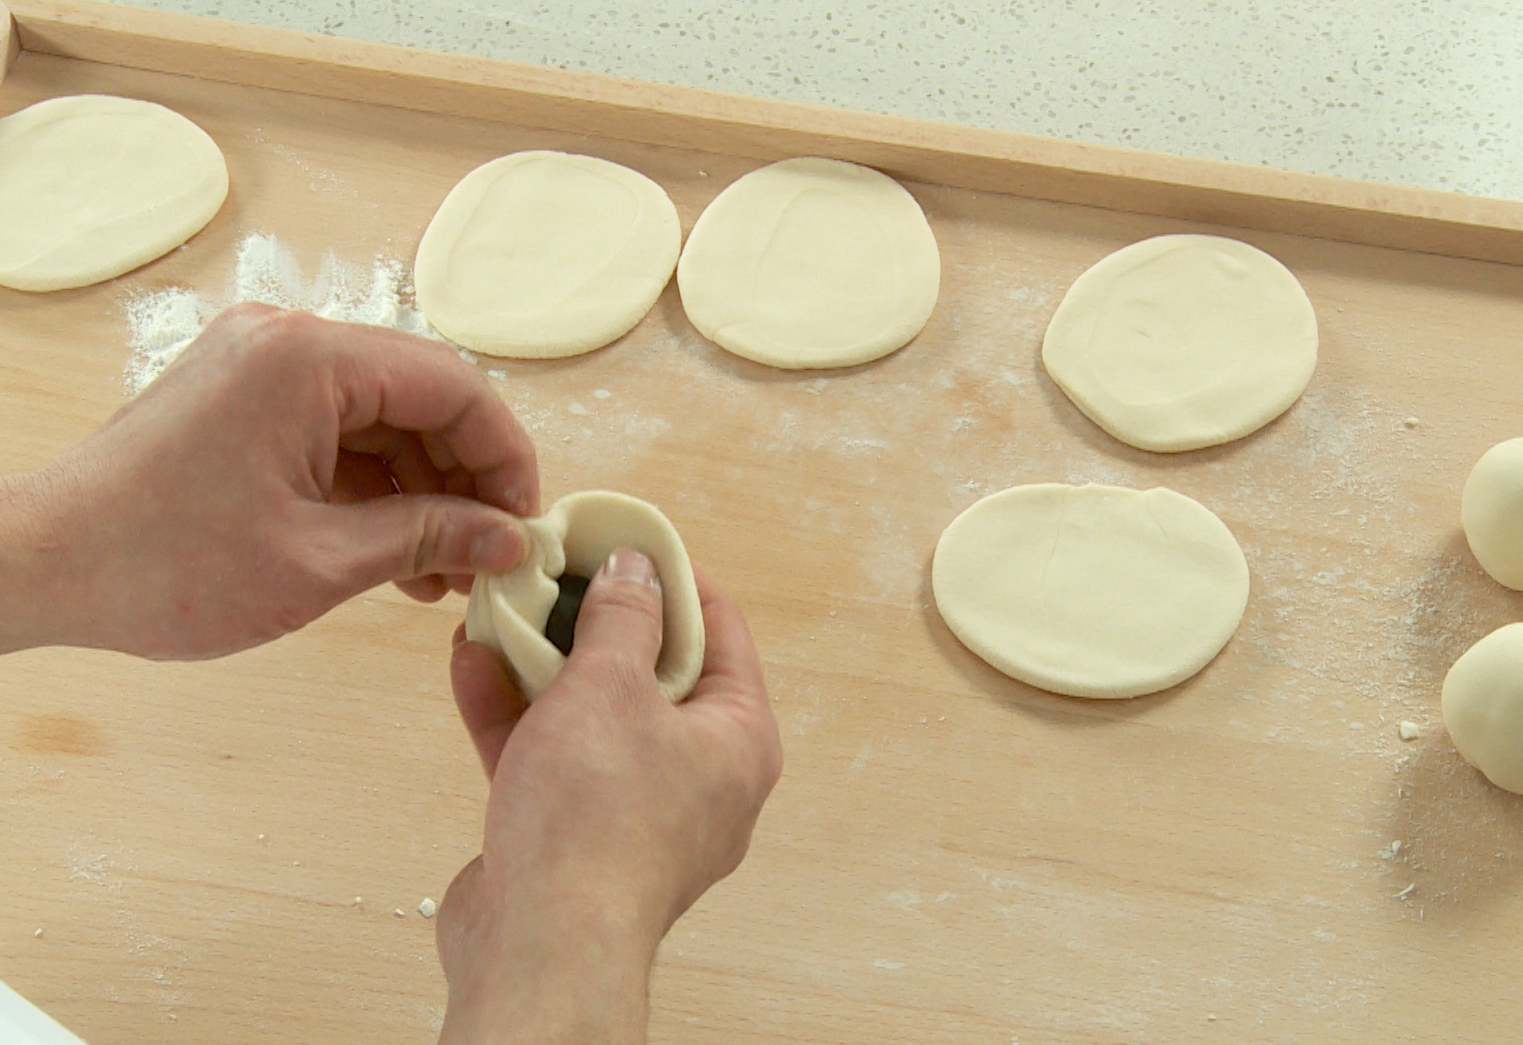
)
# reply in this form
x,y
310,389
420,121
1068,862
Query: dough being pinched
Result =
x,y
509,611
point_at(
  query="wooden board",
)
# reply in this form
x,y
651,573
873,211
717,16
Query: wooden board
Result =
x,y
951,856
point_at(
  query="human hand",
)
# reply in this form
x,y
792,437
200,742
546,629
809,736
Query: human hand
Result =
x,y
282,465
611,811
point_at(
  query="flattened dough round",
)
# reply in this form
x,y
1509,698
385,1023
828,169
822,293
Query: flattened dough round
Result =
x,y
1091,591
1491,510
1180,342
508,611
1483,706
538,255
92,186
811,263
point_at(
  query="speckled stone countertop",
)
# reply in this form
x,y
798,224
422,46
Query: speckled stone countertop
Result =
x,y
1418,92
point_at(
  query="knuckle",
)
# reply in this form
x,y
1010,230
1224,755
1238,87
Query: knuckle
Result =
x,y
244,314
283,334
430,541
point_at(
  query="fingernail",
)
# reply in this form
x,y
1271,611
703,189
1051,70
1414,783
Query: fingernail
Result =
x,y
496,550
628,565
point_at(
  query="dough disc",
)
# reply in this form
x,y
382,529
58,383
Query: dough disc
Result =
x,y
508,611
1091,591
1483,706
1180,342
811,263
92,186
538,255
1491,510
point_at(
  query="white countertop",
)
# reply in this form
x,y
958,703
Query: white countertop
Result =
x,y
1423,93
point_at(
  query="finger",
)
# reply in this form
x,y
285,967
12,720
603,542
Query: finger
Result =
x,y
732,686
732,668
412,384
424,589
488,697
403,453
621,612
440,452
409,536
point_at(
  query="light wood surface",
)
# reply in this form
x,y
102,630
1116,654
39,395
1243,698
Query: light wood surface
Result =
x,y
1199,190
951,856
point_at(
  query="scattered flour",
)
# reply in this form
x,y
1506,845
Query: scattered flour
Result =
x,y
163,323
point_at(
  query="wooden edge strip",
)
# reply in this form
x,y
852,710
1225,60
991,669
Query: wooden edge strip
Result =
x,y
10,42
997,161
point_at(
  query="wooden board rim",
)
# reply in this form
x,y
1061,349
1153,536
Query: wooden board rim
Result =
x,y
1108,177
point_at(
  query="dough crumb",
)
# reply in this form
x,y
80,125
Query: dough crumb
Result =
x,y
1390,851
1411,422
601,393
358,900
399,913
1409,730
37,934
1405,892
260,838
577,408
428,908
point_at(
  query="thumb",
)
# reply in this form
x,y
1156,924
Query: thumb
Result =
x,y
414,535
621,613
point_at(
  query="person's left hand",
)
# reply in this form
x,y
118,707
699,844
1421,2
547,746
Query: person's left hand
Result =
x,y
282,465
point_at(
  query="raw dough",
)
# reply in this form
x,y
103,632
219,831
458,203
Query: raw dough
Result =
x,y
1180,342
1091,591
508,611
538,255
811,263
1483,706
1491,510
92,186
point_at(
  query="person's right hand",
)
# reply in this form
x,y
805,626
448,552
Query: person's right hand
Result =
x,y
611,811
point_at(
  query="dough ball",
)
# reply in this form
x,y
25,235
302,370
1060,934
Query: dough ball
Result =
x,y
1180,342
1483,706
1091,591
1491,510
538,255
92,186
811,263
511,611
